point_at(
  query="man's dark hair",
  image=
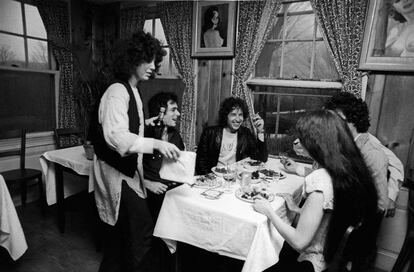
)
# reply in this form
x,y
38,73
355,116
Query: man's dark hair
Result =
x,y
160,100
230,104
354,109
129,53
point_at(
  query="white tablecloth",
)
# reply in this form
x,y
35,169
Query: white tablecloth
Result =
x,y
73,158
227,226
11,232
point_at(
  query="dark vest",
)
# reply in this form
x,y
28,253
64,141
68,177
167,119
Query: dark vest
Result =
x,y
128,164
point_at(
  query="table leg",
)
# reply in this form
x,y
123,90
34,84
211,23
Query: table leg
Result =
x,y
60,198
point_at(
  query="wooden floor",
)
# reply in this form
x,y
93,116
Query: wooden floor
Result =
x,y
48,249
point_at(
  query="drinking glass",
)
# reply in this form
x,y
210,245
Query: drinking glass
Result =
x,y
229,178
283,157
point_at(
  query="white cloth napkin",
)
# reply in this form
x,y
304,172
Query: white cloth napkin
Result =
x,y
182,170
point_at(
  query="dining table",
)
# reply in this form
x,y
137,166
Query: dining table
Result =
x,y
227,225
12,237
54,163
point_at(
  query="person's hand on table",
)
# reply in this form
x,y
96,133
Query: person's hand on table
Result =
x,y
262,205
167,149
155,187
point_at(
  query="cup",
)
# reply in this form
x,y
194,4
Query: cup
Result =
x,y
245,181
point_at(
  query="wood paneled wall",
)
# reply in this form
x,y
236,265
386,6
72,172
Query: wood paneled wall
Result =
x,y
213,86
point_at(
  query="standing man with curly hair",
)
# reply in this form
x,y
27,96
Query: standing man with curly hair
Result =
x,y
119,146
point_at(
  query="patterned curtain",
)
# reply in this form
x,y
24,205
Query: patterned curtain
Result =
x,y
55,16
342,24
256,19
176,20
132,19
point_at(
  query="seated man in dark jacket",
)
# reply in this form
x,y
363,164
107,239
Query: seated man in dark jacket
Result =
x,y
162,260
230,142
166,131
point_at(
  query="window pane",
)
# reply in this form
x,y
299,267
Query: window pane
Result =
x,y
38,54
268,64
11,50
159,32
324,65
34,23
280,127
297,60
300,27
148,26
11,16
277,31
165,64
299,6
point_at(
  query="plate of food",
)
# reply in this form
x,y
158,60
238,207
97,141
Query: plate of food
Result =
x,y
249,196
219,170
206,181
269,173
252,165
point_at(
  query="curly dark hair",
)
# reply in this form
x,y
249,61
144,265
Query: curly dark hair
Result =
x,y
354,109
160,100
229,104
129,53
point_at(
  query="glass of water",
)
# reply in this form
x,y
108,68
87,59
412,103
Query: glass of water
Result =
x,y
229,178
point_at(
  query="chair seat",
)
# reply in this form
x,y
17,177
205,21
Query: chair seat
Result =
x,y
21,174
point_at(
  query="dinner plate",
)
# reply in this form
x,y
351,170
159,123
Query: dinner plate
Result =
x,y
208,181
267,174
252,165
244,197
219,170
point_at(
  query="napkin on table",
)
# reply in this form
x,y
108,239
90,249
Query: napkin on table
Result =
x,y
180,170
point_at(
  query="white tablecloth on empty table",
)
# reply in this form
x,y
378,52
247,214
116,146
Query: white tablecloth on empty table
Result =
x,y
73,158
227,226
11,232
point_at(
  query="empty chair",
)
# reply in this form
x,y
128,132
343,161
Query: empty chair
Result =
x,y
22,174
67,137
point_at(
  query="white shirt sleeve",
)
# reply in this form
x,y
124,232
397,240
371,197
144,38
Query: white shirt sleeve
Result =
x,y
113,115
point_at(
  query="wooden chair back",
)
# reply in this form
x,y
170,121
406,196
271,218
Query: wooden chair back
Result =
x,y
17,151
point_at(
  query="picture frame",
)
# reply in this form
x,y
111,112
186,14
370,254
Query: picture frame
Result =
x,y
386,37
214,37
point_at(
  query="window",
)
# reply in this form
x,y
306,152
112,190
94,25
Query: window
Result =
x,y
23,39
168,68
294,74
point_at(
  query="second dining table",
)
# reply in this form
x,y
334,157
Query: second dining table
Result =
x,y
227,225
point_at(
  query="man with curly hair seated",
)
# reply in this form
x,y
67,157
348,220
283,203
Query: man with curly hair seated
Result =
x,y
229,141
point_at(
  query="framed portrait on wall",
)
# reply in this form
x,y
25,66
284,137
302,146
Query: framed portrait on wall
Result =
x,y
388,43
213,29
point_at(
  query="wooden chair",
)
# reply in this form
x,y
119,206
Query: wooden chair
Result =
x,y
22,174
340,259
67,137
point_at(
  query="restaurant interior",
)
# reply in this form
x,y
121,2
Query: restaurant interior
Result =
x,y
284,58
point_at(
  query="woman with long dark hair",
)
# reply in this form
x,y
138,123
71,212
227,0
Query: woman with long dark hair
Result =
x,y
339,194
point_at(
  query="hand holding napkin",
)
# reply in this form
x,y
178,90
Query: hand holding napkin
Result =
x,y
180,170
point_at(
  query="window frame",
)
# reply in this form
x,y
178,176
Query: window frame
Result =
x,y
25,36
284,14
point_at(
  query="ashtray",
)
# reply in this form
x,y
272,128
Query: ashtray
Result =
x,y
212,194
